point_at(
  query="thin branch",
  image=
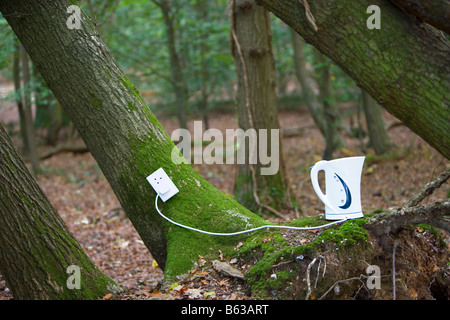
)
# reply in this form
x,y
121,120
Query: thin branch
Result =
x,y
63,148
428,189
309,15
343,281
392,220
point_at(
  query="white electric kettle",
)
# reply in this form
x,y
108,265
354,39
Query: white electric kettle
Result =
x,y
342,196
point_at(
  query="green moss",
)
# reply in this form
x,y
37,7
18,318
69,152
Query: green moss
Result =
x,y
132,106
272,249
95,102
131,87
350,233
435,232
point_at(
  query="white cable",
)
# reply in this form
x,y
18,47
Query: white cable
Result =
x,y
244,231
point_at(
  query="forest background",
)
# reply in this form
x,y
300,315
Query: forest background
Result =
x,y
148,39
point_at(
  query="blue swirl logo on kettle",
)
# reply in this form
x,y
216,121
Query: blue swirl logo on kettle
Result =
x,y
342,186
348,194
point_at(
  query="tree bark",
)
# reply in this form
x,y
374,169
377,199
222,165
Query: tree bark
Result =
x,y
36,248
404,65
332,119
28,119
257,106
312,102
18,94
434,12
124,137
379,139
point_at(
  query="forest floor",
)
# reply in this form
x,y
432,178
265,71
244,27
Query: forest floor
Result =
x,y
78,190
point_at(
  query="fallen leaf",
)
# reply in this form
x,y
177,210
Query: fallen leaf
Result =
x,y
209,294
107,296
182,290
174,285
223,282
201,261
194,293
303,241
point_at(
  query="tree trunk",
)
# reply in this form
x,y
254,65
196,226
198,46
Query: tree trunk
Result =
x,y
333,137
312,102
36,248
434,12
257,107
56,123
404,65
28,120
379,139
18,95
124,137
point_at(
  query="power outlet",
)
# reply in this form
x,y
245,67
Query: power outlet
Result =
x,y
162,184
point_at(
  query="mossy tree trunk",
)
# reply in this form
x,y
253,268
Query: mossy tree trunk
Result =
x,y
36,248
257,107
404,65
124,137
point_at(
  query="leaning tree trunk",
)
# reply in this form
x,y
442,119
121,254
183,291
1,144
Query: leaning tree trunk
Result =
x,y
434,12
257,107
36,248
124,137
404,65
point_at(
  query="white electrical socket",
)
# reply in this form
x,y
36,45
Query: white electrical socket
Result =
x,y
162,184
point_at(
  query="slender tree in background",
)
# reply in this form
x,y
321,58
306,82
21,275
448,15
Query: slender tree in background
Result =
x,y
321,106
379,139
36,248
257,105
332,119
177,79
305,80
22,86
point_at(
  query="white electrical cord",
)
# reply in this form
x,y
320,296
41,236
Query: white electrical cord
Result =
x,y
244,231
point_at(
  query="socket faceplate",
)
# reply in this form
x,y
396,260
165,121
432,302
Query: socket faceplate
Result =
x,y
162,184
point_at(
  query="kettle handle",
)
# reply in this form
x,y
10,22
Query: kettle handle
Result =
x,y
321,165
